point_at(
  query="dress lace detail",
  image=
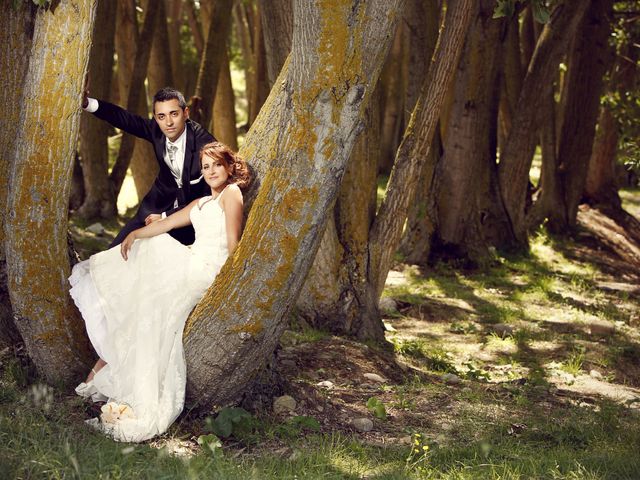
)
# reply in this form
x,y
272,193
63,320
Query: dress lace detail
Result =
x,y
135,312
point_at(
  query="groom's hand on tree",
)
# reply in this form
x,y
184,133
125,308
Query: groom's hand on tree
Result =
x,y
85,92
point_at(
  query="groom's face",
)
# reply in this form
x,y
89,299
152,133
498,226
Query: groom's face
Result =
x,y
171,118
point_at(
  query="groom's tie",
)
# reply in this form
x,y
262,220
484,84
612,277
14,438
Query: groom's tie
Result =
x,y
171,153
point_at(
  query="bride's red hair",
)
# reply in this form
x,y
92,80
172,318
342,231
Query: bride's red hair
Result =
x,y
231,160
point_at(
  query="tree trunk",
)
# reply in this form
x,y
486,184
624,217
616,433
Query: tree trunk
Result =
x,y
94,154
601,186
136,101
423,21
470,146
224,112
15,44
413,153
393,93
174,22
36,240
512,75
277,21
336,292
260,83
161,68
337,53
211,63
517,152
584,82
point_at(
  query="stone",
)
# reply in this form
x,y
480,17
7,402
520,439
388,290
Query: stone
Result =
x,y
284,404
96,229
595,374
602,329
388,305
375,377
325,384
362,424
451,378
503,329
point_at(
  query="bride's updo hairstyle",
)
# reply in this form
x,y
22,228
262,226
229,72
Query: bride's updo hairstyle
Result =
x,y
239,172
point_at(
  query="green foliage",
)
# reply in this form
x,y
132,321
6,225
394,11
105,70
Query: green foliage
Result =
x,y
377,408
507,8
295,426
231,421
211,443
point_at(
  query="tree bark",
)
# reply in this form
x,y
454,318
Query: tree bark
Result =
x,y
15,44
423,22
136,95
211,63
338,50
470,145
277,21
94,153
584,83
393,93
161,67
517,152
413,152
601,186
224,111
260,84
174,22
36,240
336,292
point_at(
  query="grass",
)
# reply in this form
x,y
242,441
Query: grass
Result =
x,y
521,410
52,442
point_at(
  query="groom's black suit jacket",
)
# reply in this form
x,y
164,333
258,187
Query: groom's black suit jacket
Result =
x,y
164,191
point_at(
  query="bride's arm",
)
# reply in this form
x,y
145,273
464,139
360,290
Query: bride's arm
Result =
x,y
231,203
179,219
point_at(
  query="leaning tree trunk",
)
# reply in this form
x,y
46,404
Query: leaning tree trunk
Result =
x,y
94,150
174,22
517,152
414,151
423,21
36,230
277,21
584,82
15,44
338,50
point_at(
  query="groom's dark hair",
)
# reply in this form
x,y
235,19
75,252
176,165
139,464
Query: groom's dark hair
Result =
x,y
168,93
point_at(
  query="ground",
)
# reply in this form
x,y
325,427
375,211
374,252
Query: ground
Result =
x,y
528,368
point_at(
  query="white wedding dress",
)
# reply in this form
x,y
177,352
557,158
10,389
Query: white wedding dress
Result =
x,y
135,311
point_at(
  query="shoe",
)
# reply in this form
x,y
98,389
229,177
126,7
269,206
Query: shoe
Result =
x,y
89,390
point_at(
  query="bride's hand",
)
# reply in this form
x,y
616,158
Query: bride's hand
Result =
x,y
125,246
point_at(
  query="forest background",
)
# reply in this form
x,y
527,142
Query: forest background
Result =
x,y
452,183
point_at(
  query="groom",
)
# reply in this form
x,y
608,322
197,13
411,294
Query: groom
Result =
x,y
177,142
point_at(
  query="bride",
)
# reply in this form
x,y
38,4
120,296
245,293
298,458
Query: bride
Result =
x,y
136,297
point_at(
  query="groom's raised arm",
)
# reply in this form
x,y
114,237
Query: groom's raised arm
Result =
x,y
121,118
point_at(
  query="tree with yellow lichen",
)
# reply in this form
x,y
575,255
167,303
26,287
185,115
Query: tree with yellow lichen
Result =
x,y
347,279
303,135
39,165
299,146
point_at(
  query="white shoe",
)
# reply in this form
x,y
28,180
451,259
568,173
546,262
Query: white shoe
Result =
x,y
89,390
